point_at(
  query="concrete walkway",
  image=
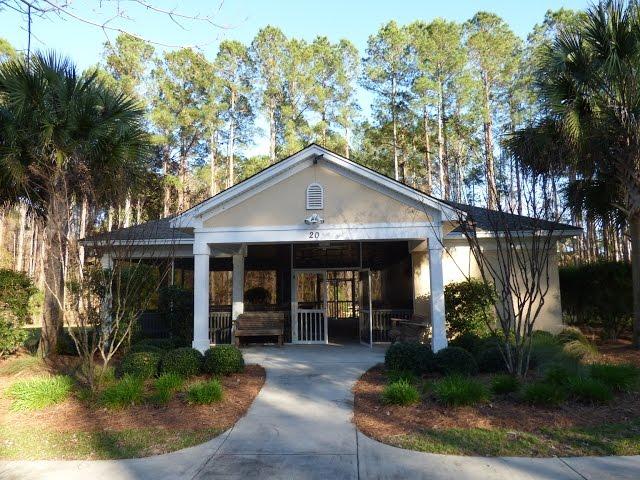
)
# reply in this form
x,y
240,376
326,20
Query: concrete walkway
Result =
x,y
299,427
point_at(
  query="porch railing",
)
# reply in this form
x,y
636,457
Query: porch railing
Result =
x,y
220,326
341,309
381,321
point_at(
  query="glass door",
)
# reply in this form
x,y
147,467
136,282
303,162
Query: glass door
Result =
x,y
366,311
310,306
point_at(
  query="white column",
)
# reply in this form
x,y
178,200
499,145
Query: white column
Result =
x,y
201,339
237,306
438,325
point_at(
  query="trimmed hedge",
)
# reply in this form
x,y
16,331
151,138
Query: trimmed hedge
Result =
x,y
452,360
490,360
140,364
471,342
185,361
223,360
409,357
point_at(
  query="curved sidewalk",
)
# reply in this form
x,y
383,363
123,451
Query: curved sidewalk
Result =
x,y
299,427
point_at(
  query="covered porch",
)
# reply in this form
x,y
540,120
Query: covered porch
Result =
x,y
329,291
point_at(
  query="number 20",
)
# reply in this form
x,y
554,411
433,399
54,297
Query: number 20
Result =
x,y
314,234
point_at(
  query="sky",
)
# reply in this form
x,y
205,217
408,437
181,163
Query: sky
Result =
x,y
241,19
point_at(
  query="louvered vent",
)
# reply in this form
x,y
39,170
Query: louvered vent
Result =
x,y
315,197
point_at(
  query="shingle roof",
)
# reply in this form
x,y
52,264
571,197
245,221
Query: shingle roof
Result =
x,y
494,220
151,230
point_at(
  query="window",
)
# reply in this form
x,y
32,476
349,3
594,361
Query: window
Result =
x,y
315,197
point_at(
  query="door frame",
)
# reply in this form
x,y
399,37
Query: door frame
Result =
x,y
294,304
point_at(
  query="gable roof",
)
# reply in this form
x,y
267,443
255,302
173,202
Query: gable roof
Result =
x,y
300,160
495,220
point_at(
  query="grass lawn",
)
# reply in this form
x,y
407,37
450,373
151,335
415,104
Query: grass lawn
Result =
x,y
41,444
498,419
46,415
616,439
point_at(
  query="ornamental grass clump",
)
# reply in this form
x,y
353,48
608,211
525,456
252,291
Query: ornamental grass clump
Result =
x,y
457,390
205,392
622,378
544,394
589,390
400,392
166,386
504,384
125,392
39,392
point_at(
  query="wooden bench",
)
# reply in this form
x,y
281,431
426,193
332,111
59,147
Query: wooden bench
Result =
x,y
415,329
260,324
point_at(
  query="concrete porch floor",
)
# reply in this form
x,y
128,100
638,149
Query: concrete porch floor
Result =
x,y
299,427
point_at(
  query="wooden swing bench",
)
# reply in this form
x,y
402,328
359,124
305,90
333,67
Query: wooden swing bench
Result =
x,y
260,324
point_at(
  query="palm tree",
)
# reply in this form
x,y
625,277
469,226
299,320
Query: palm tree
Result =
x,y
63,136
589,85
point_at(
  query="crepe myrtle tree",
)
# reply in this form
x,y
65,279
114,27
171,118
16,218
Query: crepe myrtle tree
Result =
x,y
512,254
110,292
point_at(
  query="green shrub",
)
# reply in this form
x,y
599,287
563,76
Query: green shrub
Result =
x,y
544,394
583,352
16,290
453,360
468,307
569,334
12,337
409,356
503,384
589,390
223,360
400,392
185,361
139,364
543,336
123,393
468,341
490,360
205,392
39,392
544,350
456,390
144,347
406,375
175,308
609,302
617,377
560,373
166,385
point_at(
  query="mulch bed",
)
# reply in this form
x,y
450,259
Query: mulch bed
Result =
x,y
381,421
75,415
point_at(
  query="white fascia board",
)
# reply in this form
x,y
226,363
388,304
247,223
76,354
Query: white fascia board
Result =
x,y
514,234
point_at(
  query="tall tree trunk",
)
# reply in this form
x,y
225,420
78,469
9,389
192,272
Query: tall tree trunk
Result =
x,y
272,130
396,168
22,224
127,211
166,198
33,260
634,227
56,229
324,128
213,187
427,148
84,215
138,210
2,225
443,171
110,215
182,176
346,142
230,144
492,192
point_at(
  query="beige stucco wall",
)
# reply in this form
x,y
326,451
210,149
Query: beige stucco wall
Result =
x,y
458,264
345,202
